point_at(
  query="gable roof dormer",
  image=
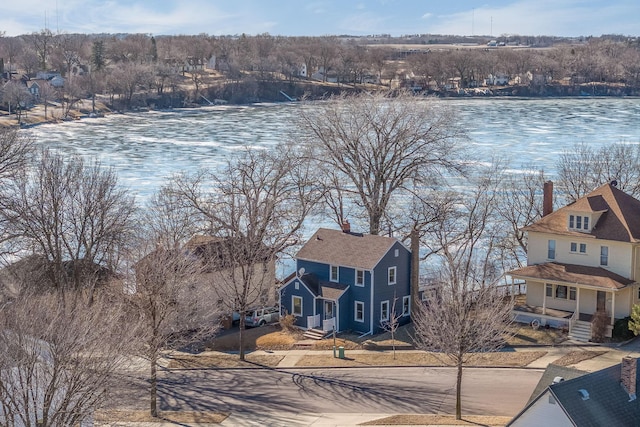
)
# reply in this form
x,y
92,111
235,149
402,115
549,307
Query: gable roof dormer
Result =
x,y
611,214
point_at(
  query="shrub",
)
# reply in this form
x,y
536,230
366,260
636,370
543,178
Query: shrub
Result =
x,y
288,323
621,329
599,326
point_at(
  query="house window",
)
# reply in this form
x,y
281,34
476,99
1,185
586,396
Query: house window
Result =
x,y
551,249
384,311
561,291
333,273
549,290
604,255
392,275
586,222
359,311
574,247
359,277
406,305
296,305
297,285
578,222
572,293
396,253
583,248
571,221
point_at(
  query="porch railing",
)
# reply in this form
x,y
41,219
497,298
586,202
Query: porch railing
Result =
x,y
329,324
572,320
313,321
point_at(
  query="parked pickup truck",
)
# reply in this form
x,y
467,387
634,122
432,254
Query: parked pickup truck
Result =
x,y
262,316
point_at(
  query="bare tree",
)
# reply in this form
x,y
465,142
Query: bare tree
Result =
x,y
582,169
174,308
381,147
521,206
16,96
15,150
69,212
391,325
470,314
59,362
468,317
256,207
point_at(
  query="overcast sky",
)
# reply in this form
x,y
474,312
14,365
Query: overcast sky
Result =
x,y
326,17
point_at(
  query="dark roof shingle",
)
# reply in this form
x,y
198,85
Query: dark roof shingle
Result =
x,y
355,250
620,219
597,277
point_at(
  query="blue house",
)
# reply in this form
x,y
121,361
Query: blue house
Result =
x,y
349,281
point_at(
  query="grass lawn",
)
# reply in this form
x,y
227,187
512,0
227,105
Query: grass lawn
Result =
x,y
123,417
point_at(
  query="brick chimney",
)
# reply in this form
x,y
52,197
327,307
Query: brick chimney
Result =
x,y
628,368
547,200
346,227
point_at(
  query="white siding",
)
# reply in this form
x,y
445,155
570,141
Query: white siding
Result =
x,y
542,413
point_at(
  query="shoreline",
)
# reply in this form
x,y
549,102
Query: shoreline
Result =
x,y
35,116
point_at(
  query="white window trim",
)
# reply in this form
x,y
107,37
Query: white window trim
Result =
x,y
293,305
356,278
355,311
395,275
385,318
406,298
331,279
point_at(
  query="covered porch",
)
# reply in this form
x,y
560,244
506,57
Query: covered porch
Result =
x,y
326,312
568,296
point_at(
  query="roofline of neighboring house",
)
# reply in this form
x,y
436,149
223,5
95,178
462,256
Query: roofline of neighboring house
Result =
x,y
530,404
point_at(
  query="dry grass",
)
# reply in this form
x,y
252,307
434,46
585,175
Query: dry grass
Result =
x,y
279,340
222,360
574,357
442,420
182,417
417,358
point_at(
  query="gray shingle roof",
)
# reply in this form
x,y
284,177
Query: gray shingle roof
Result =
x,y
608,403
355,250
552,372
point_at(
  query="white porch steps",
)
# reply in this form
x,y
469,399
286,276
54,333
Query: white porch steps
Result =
x,y
315,334
581,331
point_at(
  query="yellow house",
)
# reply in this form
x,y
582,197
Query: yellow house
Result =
x,y
582,259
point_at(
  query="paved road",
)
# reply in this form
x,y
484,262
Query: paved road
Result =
x,y
486,391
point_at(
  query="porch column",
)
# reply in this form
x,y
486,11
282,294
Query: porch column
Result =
x,y
613,307
544,299
513,289
578,302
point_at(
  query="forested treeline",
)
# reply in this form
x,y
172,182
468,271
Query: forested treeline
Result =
x,y
138,70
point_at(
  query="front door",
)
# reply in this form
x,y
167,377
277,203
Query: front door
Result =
x,y
601,301
328,310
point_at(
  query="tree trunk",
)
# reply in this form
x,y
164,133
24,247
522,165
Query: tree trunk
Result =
x,y
241,335
415,273
459,391
154,388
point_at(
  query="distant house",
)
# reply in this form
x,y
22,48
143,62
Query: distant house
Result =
x,y
582,259
497,79
223,273
602,398
34,88
348,281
